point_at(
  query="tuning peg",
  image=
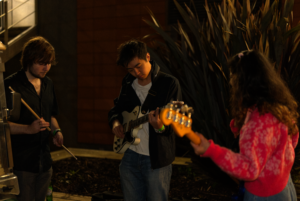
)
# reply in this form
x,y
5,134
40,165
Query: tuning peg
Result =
x,y
190,110
178,103
175,118
182,120
184,108
188,123
170,106
170,114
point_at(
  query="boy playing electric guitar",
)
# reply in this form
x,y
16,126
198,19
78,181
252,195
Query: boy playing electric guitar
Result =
x,y
145,169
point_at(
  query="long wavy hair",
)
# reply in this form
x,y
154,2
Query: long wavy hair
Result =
x,y
255,83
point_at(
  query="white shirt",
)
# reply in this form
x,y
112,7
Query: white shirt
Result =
x,y
143,134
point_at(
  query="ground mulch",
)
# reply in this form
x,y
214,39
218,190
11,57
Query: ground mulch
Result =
x,y
88,176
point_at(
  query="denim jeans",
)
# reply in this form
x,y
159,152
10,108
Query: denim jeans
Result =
x,y
139,182
287,194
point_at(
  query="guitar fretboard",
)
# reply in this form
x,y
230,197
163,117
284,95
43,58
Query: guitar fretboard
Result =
x,y
139,121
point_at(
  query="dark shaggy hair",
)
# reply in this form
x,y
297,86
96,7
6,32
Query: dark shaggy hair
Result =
x,y
256,84
37,50
129,50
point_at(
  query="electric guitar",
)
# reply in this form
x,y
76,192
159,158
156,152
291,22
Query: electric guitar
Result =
x,y
131,126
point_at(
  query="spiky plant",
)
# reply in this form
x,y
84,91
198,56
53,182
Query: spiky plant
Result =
x,y
199,57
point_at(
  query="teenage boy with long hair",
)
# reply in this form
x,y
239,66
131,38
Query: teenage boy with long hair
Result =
x,y
29,137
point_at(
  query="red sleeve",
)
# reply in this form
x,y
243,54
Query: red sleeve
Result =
x,y
295,139
253,155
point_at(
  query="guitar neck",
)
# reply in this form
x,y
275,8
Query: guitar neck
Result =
x,y
139,121
193,137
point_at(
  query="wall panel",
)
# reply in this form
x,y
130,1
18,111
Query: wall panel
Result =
x,y
101,27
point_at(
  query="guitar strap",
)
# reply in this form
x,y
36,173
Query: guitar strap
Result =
x,y
151,94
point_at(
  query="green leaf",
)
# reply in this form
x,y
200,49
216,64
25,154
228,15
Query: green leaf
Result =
x,y
157,59
294,30
245,11
279,43
209,16
288,8
267,19
197,36
253,6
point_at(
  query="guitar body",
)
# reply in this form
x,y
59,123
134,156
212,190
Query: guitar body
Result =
x,y
121,145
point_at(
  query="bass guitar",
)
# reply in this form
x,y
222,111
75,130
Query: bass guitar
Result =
x,y
180,121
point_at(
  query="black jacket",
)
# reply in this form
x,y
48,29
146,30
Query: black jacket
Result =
x,y
161,145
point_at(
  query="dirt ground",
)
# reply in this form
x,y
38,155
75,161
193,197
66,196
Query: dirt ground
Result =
x,y
88,176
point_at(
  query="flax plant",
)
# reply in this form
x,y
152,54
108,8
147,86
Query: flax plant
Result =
x,y
198,57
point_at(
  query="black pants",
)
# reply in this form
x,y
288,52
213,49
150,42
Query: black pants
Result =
x,y
33,186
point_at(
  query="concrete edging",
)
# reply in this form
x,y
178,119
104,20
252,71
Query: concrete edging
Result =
x,y
62,154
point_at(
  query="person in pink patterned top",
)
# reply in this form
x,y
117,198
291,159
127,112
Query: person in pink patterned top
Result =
x,y
265,116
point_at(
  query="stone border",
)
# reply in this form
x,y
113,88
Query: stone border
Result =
x,y
62,154
58,196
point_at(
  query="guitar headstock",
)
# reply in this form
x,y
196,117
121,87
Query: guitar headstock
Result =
x,y
179,116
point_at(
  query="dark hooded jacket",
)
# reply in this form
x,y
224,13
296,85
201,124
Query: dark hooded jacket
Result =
x,y
161,145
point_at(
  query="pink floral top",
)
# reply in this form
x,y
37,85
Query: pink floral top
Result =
x,y
266,154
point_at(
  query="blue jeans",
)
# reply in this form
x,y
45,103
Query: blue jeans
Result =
x,y
287,194
139,182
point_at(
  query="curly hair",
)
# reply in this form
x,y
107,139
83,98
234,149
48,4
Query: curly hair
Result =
x,y
255,83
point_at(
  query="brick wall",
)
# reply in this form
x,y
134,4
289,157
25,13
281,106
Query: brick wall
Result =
x,y
101,27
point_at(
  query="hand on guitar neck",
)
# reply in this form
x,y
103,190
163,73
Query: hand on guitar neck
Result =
x,y
180,120
202,147
154,119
